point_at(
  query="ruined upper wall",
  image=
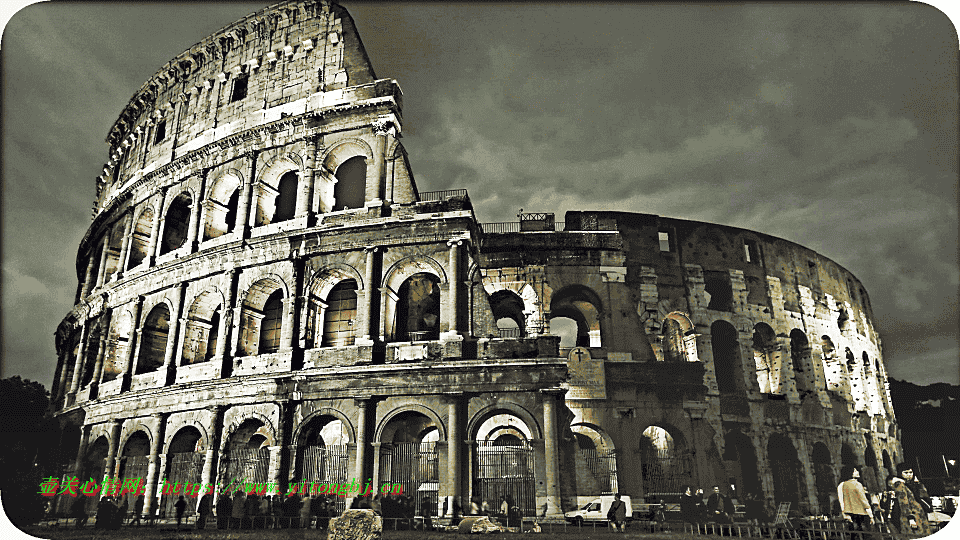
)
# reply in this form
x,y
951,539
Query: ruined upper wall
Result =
x,y
260,67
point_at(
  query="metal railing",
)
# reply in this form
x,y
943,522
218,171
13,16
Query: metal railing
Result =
x,y
442,195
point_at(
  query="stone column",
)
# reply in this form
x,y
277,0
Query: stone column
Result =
x,y
89,280
173,335
552,398
287,323
82,451
157,464
207,474
454,446
244,204
153,248
61,386
385,293
78,363
133,346
223,331
113,449
362,443
368,312
125,246
102,349
105,249
193,230
275,470
305,196
453,297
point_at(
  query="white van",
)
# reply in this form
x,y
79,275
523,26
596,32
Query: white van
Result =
x,y
596,510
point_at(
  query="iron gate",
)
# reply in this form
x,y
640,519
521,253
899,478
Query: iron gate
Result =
x,y
602,466
327,465
505,471
184,467
133,467
415,467
665,473
245,465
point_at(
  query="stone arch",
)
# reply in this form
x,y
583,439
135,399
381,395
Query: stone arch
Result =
x,y
728,365
230,429
583,305
740,460
349,164
140,237
298,432
401,270
600,438
381,430
326,278
514,409
222,204
154,336
321,283
789,483
204,437
766,359
398,304
823,471
176,221
270,187
120,333
665,459
678,340
202,328
508,306
263,301
337,154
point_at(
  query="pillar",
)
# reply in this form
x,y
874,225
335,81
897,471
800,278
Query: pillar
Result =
x,y
552,398
305,196
454,447
133,346
193,230
243,205
381,127
173,335
453,297
78,363
156,466
113,449
82,451
368,313
102,349
360,466
104,249
125,246
153,248
287,323
89,278
215,413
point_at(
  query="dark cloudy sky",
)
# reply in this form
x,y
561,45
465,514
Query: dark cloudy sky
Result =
x,y
831,126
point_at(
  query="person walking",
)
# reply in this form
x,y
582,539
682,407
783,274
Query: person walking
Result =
x,y
181,507
238,512
137,510
853,501
617,514
224,509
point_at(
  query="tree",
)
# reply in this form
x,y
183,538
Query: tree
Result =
x,y
27,436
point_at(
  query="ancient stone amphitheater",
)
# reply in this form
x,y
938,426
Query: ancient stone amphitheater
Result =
x,y
265,296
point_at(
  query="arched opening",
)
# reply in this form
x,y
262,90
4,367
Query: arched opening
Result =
x,y
804,374
221,208
665,468
184,464
202,329
350,190
271,324
823,473
595,461
887,464
870,479
140,239
418,309
833,370
134,463
583,306
286,203
766,359
788,480
118,346
740,460
504,462
508,311
340,315
323,454
409,457
247,455
847,456
93,345
153,339
92,468
566,328
726,358
176,223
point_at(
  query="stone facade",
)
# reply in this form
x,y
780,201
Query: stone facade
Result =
x,y
265,296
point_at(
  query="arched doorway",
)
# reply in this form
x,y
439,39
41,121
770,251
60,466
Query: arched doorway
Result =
x,y
323,454
409,458
184,465
823,472
247,455
595,461
664,465
741,463
503,462
134,462
788,481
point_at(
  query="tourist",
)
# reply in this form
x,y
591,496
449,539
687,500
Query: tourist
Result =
x,y
617,514
918,489
719,507
689,506
238,512
853,500
203,510
224,509
181,507
906,514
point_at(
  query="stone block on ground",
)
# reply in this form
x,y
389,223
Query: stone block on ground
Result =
x,y
478,525
356,525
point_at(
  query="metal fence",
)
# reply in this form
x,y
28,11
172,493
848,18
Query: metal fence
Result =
x,y
506,471
442,195
415,468
327,465
183,467
603,467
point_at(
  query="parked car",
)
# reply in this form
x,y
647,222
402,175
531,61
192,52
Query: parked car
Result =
x,y
596,510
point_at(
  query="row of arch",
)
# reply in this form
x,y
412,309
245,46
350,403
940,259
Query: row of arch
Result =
x,y
283,190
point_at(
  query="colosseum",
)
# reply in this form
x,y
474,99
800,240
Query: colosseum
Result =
x,y
265,296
